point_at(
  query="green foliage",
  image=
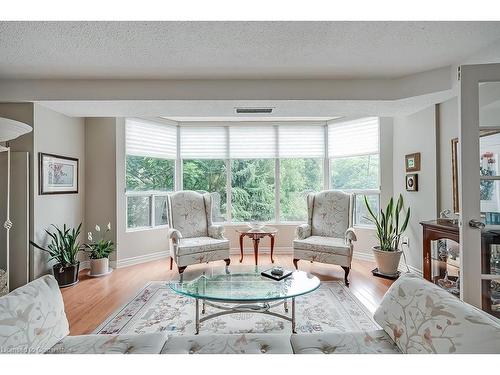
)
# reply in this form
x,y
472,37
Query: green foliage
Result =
x,y
102,248
357,172
388,229
146,173
297,178
64,246
252,190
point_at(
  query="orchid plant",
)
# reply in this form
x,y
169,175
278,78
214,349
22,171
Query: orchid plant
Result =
x,y
101,248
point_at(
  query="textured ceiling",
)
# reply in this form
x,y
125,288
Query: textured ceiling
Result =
x,y
236,49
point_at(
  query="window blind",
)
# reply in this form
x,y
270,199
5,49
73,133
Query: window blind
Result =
x,y
301,141
252,142
353,138
146,138
203,142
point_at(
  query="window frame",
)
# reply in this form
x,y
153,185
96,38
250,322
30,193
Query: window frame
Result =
x,y
179,176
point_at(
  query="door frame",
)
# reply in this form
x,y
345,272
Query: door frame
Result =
x,y
470,76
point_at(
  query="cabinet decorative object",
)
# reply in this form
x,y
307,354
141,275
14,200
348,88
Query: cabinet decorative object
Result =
x,y
441,260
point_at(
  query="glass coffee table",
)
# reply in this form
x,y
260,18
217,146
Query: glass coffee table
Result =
x,y
242,289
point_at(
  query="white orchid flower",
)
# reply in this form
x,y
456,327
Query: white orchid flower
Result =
x,y
109,226
89,236
97,228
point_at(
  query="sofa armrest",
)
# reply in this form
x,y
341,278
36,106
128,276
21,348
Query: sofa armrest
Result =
x,y
174,235
303,231
350,235
216,231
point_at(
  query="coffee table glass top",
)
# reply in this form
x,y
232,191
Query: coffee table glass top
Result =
x,y
264,230
244,284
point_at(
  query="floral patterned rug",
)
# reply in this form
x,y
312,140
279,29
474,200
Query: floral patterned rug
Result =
x,y
332,307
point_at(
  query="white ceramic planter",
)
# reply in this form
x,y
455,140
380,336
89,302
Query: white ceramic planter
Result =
x,y
99,267
387,261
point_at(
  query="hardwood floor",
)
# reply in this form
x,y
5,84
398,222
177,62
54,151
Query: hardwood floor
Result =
x,y
92,300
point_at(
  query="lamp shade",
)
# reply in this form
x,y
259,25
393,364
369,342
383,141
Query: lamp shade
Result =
x,y
11,129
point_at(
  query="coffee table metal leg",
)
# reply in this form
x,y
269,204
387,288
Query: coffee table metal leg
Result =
x,y
197,316
293,316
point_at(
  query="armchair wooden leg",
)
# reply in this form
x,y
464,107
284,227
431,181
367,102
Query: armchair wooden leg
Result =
x,y
171,263
346,270
181,269
228,262
295,261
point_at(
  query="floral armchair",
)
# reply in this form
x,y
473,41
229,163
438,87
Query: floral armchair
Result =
x,y
328,235
194,238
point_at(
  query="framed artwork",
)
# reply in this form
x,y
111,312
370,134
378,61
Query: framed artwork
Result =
x,y
454,174
412,162
412,182
57,174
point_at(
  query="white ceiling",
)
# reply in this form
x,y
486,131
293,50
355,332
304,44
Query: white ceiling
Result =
x,y
215,50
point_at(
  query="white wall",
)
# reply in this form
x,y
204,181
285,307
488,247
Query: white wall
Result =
x,y
57,134
100,175
416,133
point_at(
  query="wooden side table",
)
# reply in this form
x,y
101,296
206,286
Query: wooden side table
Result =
x,y
256,235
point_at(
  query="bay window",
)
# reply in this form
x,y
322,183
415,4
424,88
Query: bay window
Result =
x,y
254,171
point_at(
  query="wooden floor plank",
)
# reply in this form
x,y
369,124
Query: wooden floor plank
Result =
x,y
92,300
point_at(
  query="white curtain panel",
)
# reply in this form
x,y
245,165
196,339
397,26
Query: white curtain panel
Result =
x,y
252,142
204,142
301,141
353,138
146,138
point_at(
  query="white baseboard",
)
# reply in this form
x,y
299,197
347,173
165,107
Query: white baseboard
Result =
x,y
141,259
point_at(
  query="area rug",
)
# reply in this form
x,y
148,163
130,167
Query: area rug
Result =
x,y
331,308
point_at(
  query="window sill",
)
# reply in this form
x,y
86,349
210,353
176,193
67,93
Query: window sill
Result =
x,y
145,229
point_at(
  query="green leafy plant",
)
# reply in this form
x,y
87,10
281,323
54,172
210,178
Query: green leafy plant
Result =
x,y
102,248
388,229
64,245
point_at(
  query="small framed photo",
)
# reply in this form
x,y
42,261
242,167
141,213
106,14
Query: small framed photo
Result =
x,y
57,174
412,162
412,182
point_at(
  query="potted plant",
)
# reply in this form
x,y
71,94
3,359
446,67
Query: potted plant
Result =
x,y
98,252
389,231
63,248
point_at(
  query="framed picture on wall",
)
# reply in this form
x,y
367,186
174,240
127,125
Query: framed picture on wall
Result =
x,y
57,174
412,162
412,182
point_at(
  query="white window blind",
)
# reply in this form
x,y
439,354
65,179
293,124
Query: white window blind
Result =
x,y
353,138
203,142
301,141
252,142
146,138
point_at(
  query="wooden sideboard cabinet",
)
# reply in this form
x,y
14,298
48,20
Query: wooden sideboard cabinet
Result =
x,y
441,259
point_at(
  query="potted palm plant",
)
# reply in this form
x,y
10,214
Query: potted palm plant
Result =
x,y
99,252
63,248
389,230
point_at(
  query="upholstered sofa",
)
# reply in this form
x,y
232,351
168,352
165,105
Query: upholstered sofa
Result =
x,y
415,316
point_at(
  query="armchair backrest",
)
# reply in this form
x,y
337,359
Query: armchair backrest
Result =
x,y
330,213
190,213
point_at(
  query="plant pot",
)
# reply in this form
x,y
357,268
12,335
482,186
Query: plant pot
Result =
x,y
99,267
387,261
66,276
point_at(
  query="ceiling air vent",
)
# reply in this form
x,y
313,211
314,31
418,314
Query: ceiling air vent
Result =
x,y
254,110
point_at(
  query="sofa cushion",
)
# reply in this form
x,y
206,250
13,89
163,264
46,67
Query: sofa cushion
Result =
x,y
323,244
373,342
229,344
150,343
32,317
188,213
423,318
330,214
200,244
